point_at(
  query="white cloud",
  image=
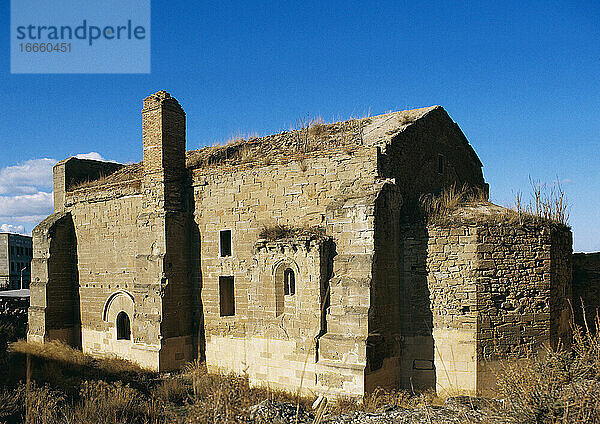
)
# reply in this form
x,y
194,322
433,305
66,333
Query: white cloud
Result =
x,y
9,228
26,191
90,155
26,205
27,178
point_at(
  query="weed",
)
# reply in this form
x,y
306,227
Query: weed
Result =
x,y
279,231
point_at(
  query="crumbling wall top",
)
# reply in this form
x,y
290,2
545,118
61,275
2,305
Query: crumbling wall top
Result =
x,y
160,98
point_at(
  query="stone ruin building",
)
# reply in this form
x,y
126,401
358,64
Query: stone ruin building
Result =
x,y
293,258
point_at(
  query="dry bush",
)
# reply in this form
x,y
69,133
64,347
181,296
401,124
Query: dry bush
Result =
x,y
375,400
317,128
438,206
42,405
548,206
406,118
11,405
276,231
279,231
31,404
55,350
102,402
87,183
172,390
225,398
558,386
549,203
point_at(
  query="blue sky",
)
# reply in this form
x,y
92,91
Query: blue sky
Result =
x,y
522,79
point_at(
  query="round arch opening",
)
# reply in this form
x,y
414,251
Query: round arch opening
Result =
x,y
123,325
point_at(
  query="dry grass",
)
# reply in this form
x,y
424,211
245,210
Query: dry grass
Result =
x,y
557,386
225,398
385,398
470,205
449,200
102,179
406,118
279,231
549,203
55,351
131,173
309,135
560,386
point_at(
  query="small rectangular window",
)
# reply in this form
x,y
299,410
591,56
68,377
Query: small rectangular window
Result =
x,y
440,164
226,296
225,243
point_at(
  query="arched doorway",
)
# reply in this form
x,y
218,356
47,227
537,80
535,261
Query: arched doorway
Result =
x,y
123,326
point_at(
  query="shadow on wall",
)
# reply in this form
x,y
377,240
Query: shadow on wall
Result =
x,y
586,288
196,276
418,350
400,349
63,306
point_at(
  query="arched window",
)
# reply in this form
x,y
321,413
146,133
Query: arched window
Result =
x,y
123,327
289,282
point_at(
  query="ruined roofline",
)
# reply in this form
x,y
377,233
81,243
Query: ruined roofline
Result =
x,y
311,138
485,213
260,151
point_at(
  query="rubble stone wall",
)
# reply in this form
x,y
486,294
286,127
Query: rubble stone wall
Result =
x,y
523,280
586,287
477,293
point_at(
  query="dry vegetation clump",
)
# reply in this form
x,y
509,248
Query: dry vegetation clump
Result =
x,y
549,203
309,135
436,207
226,398
66,387
131,173
406,118
279,231
558,386
380,398
66,369
98,402
549,206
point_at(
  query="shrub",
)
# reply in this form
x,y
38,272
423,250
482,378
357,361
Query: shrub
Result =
x,y
279,231
560,386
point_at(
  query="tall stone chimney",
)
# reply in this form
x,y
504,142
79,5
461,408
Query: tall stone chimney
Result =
x,y
163,128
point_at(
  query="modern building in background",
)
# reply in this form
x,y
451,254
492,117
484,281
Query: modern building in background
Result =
x,y
15,261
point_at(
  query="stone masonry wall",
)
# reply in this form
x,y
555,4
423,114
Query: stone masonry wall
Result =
x,y
479,292
107,236
383,344
586,287
430,154
442,337
70,172
54,311
523,279
336,192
